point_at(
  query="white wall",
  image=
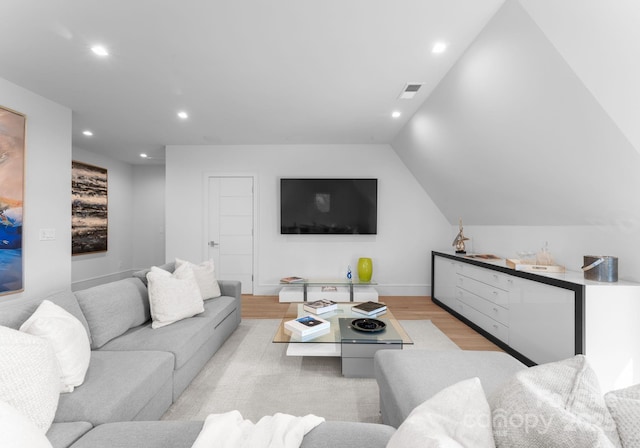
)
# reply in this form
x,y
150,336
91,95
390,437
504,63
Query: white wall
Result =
x,y
409,224
116,262
47,202
568,244
148,233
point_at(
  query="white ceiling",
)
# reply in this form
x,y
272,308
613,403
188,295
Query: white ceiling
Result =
x,y
247,71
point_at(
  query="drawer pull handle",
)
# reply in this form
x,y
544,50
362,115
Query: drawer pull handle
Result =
x,y
495,326
495,293
495,309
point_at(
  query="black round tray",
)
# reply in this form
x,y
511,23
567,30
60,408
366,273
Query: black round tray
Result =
x,y
368,325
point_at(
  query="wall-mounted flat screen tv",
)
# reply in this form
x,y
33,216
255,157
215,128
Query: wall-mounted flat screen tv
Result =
x,y
329,206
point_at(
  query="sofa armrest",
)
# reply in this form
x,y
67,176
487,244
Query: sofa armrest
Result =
x,y
231,288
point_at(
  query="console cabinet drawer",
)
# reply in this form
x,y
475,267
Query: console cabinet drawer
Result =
x,y
486,307
491,326
487,276
489,292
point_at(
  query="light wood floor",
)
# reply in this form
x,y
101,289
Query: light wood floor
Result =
x,y
403,308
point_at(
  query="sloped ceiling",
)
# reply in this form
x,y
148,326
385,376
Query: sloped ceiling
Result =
x,y
512,136
600,40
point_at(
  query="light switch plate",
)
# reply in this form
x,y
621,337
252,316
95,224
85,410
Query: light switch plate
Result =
x,y
47,234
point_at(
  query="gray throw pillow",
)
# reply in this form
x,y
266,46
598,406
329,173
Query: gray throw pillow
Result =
x,y
555,404
624,406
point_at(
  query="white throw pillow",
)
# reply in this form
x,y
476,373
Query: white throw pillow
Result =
x,y
29,376
18,431
456,417
68,338
624,406
205,276
554,404
173,297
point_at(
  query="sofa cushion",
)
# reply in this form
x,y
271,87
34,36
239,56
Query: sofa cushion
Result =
x,y
19,431
624,406
63,435
183,338
142,273
117,387
164,434
333,434
457,416
205,276
13,313
68,339
407,378
113,308
29,376
554,404
173,297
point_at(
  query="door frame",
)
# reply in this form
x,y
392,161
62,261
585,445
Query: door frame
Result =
x,y
205,218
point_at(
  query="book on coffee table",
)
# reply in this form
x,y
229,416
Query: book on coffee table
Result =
x,y
306,325
369,308
320,306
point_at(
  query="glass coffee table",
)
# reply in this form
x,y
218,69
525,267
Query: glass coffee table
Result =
x,y
355,347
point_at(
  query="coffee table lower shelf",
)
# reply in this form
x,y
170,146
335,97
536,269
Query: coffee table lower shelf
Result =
x,y
311,349
356,349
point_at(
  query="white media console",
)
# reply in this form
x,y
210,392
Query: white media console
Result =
x,y
336,290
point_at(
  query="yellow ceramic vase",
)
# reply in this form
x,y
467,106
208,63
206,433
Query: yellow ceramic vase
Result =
x,y
365,269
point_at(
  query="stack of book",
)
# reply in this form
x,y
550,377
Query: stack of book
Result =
x,y
306,326
369,308
320,306
291,280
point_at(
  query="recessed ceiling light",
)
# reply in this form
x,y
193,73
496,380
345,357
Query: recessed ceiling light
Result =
x,y
88,133
439,47
143,155
183,115
396,114
100,50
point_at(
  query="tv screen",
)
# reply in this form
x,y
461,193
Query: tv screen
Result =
x,y
328,206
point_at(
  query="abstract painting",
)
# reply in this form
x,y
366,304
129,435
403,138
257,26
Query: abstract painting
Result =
x,y
12,140
89,222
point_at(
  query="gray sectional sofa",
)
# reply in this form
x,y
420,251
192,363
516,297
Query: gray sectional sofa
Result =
x,y
135,372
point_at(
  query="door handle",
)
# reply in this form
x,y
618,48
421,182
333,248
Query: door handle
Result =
x,y
213,244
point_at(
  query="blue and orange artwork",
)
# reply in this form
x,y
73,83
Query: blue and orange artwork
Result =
x,y
12,138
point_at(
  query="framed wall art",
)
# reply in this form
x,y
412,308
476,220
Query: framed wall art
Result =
x,y
89,209
12,160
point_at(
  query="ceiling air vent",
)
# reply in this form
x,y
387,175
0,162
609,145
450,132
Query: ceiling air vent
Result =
x,y
410,91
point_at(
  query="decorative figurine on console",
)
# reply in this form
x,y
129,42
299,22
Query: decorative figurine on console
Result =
x,y
459,241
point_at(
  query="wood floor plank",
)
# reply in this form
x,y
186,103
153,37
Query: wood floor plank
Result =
x,y
402,307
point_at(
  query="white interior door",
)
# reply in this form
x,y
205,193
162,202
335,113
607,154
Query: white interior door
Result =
x,y
230,229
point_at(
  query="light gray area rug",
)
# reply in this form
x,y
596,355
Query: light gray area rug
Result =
x,y
253,375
